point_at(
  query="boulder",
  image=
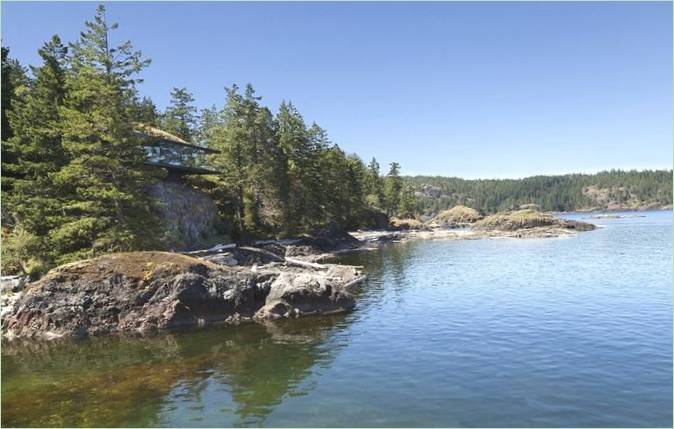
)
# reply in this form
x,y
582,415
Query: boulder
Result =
x,y
293,295
323,241
244,256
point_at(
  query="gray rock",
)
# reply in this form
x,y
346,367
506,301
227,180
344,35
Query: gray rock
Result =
x,y
10,284
226,259
147,291
294,295
323,241
190,215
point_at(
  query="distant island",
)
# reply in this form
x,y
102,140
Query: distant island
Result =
x,y
604,191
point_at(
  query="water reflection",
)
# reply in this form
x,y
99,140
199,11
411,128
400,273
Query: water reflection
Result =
x,y
122,381
386,266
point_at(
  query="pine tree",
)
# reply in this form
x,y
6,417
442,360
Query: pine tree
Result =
x,y
144,111
107,208
392,187
37,143
295,144
374,185
180,118
408,203
13,77
232,161
244,133
15,85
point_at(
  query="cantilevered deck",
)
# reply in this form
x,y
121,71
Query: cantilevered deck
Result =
x,y
173,153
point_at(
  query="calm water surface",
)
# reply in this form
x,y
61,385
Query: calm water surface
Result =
x,y
542,332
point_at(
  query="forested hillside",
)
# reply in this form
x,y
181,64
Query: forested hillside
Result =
x,y
74,177
607,190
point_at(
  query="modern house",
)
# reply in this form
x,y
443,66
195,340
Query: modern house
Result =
x,y
173,153
189,214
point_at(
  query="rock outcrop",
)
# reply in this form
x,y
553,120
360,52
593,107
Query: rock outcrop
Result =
x,y
322,241
146,291
519,224
528,219
190,215
298,294
406,224
617,198
456,217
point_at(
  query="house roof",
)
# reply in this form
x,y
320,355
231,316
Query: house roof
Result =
x,y
159,134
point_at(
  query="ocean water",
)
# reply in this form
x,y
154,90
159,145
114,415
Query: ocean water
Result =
x,y
568,332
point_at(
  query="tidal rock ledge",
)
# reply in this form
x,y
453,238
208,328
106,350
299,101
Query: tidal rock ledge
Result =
x,y
146,291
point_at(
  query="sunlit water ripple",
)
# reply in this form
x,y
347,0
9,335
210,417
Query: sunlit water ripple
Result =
x,y
536,332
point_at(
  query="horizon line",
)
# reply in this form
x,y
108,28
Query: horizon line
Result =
x,y
617,170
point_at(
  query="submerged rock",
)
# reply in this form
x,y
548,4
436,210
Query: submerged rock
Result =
x,y
145,291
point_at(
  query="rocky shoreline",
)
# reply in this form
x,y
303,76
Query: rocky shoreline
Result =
x,y
463,224
150,291
228,284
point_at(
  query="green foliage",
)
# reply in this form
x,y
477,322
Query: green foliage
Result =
x,y
550,193
37,144
180,118
393,186
74,175
145,112
105,206
14,86
13,77
20,253
243,133
373,185
77,183
284,177
408,202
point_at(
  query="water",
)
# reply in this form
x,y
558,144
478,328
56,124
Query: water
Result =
x,y
572,332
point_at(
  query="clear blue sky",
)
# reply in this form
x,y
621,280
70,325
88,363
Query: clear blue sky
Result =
x,y
461,89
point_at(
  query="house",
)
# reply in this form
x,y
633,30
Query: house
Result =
x,y
173,153
190,215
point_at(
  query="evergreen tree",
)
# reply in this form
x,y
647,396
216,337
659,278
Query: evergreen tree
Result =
x,y
14,86
408,203
392,188
374,185
106,207
295,144
229,137
209,118
180,118
144,111
13,77
37,144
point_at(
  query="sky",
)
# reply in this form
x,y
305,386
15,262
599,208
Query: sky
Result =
x,y
473,90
